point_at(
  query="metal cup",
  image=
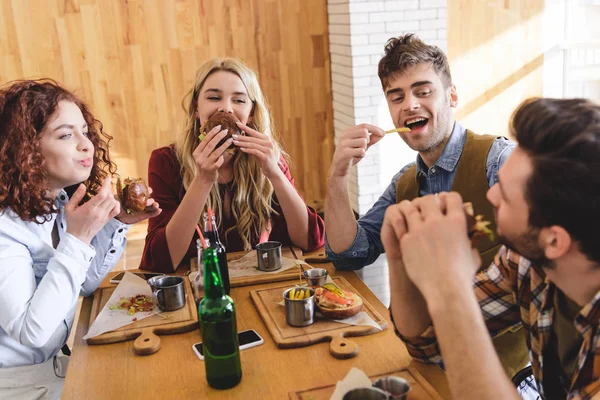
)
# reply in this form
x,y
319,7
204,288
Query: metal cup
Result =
x,y
268,255
365,393
315,276
168,292
396,387
299,312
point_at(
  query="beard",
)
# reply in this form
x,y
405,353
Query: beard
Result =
x,y
526,244
441,129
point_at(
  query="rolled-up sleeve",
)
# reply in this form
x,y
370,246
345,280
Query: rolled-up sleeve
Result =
x,y
109,244
367,245
495,290
498,154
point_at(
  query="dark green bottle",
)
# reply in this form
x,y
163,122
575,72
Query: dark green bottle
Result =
x,y
218,327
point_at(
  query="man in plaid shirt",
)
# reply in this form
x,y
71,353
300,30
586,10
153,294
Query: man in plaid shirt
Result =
x,y
546,277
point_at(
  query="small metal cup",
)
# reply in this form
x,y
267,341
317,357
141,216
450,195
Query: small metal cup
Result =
x,y
315,276
365,393
168,292
396,387
299,312
268,255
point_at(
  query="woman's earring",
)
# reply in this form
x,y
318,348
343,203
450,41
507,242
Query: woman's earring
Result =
x,y
196,125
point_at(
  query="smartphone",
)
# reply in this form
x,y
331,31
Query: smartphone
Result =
x,y
117,278
246,339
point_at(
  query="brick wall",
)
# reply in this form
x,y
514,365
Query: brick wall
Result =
x,y
358,31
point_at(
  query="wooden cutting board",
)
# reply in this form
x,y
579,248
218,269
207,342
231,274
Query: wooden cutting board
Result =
x,y
322,330
286,251
420,388
146,331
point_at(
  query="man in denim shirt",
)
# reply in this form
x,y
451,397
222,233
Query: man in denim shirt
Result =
x,y
420,94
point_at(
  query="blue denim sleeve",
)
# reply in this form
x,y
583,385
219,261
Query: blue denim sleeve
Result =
x,y
499,152
367,244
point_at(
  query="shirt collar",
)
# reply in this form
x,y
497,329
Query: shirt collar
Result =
x,y
589,315
451,154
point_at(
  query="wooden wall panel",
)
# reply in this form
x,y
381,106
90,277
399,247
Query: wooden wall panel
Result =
x,y
496,56
133,61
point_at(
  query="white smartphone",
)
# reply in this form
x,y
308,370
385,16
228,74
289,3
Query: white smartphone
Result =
x,y
246,339
117,278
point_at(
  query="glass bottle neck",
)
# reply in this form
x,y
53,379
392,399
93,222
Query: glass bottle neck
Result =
x,y
213,235
213,283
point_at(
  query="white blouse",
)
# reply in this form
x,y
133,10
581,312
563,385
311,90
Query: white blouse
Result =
x,y
39,285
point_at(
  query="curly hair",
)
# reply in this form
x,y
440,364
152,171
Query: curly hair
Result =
x,y
407,51
25,108
562,138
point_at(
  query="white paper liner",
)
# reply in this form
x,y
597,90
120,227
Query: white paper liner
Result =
x,y
354,379
109,320
248,266
362,318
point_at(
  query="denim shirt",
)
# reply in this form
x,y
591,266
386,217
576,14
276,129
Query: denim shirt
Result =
x,y
367,245
39,285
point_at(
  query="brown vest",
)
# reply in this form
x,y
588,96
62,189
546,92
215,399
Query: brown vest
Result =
x,y
471,182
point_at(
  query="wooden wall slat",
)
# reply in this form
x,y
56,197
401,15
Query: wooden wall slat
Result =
x,y
134,60
496,54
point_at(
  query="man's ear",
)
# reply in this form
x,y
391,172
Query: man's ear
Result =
x,y
453,96
555,241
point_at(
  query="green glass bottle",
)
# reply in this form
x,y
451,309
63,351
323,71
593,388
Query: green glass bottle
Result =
x,y
218,327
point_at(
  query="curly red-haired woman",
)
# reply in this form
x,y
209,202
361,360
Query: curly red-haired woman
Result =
x,y
61,229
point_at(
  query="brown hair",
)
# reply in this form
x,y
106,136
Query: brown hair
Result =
x,y
25,108
404,52
562,137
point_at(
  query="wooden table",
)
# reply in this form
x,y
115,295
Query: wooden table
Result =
x,y
114,372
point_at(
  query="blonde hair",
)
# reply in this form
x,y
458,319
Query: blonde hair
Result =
x,y
251,202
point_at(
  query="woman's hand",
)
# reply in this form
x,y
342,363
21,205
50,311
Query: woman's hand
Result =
x,y
260,146
85,221
209,157
152,210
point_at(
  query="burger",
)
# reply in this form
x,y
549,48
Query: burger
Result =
x,y
336,303
133,194
477,227
227,121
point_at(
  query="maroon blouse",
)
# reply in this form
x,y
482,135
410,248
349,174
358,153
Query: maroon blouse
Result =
x,y
164,177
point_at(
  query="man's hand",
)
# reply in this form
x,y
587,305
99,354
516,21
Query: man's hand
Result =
x,y
436,250
392,232
352,147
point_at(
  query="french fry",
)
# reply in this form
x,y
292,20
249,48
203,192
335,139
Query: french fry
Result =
x,y
401,129
291,294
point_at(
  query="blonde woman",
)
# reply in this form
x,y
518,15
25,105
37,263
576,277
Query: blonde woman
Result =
x,y
251,190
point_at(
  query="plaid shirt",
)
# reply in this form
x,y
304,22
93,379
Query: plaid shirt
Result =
x,y
513,291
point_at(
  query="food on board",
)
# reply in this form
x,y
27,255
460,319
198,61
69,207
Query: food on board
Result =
x,y
336,303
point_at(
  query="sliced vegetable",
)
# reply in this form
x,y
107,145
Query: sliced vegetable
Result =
x,y
332,287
